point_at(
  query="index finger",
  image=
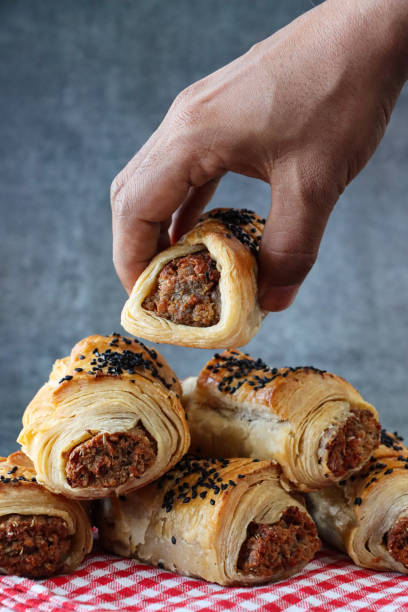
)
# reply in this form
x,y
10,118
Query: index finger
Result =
x,y
149,192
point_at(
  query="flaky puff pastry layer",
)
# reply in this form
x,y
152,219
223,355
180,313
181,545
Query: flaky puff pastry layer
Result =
x,y
232,238
109,384
21,494
306,419
366,516
194,520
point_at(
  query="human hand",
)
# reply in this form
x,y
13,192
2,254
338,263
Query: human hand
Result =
x,y
303,110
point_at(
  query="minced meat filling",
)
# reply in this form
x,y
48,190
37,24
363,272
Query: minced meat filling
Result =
x,y
353,443
397,541
187,291
109,460
271,548
34,546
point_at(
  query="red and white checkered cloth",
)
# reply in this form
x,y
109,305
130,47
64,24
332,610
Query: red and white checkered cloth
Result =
x,y
105,583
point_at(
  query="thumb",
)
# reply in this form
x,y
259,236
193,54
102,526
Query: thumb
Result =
x,y
301,206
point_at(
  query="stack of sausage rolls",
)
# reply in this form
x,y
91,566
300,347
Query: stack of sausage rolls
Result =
x,y
231,476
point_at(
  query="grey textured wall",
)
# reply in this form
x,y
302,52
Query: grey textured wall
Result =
x,y
82,85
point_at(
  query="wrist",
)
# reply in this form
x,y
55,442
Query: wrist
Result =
x,y
385,24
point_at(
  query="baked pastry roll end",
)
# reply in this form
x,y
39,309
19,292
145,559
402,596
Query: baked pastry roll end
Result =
x,y
366,516
314,423
228,521
109,420
41,533
202,292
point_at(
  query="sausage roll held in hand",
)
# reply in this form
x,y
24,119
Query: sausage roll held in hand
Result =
x,y
224,520
202,292
41,533
109,420
367,515
315,424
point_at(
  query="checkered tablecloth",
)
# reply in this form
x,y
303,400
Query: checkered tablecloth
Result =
x,y
105,583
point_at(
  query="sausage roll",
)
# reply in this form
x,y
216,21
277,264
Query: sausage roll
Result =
x,y
315,424
367,515
225,520
41,533
109,420
202,292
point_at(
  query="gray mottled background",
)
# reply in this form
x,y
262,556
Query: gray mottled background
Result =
x,y
82,85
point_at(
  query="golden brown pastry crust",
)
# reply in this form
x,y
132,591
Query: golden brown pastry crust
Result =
x,y
357,515
194,519
109,384
240,406
232,238
21,494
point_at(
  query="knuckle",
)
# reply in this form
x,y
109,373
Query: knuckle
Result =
x,y
255,48
181,98
318,195
120,204
320,188
187,108
190,93
115,189
187,116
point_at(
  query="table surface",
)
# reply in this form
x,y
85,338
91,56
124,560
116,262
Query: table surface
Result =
x,y
105,583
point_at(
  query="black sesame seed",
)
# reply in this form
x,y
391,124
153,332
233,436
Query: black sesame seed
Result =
x,y
67,377
13,470
186,500
389,471
358,501
78,369
160,565
173,540
232,483
203,494
212,502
